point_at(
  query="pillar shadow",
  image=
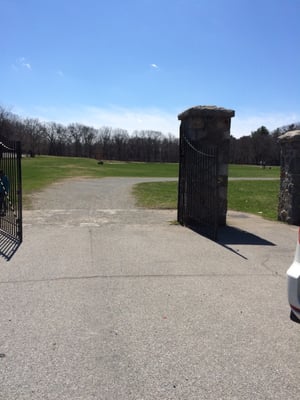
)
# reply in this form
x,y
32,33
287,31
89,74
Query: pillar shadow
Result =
x,y
8,246
228,235
232,235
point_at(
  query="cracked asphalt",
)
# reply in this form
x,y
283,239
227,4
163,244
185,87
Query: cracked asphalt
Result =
x,y
105,300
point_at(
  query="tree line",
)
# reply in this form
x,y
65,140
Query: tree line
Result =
x,y
260,147
78,140
106,143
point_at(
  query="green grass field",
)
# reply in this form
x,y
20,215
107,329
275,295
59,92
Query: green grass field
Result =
x,y
258,197
39,172
255,197
252,171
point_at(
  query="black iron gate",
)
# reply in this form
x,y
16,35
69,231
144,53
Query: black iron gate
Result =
x,y
198,188
10,196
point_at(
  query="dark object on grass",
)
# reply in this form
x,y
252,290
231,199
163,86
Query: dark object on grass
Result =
x,y
100,162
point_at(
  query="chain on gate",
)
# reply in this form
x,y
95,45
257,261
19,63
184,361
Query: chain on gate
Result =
x,y
198,197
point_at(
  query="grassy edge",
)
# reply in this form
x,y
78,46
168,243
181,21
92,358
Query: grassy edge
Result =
x,y
40,172
243,196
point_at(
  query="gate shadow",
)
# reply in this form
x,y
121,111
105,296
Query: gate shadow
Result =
x,y
229,235
8,246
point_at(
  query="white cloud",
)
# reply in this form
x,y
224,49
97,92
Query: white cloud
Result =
x,y
27,65
244,124
150,118
21,63
24,63
115,117
132,119
155,66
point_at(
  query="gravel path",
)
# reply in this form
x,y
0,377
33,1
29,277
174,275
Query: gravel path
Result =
x,y
94,202
107,193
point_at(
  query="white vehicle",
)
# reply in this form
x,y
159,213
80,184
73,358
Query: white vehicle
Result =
x,y
293,276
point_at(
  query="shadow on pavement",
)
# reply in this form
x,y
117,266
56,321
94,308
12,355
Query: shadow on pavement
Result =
x,y
228,235
231,235
8,246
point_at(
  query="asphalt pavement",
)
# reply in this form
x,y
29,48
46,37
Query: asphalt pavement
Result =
x,y
105,300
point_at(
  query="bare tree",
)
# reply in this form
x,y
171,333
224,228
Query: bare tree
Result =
x,y
105,142
34,136
80,140
75,132
88,135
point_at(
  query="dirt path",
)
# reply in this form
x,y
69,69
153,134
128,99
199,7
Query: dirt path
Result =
x,y
88,194
92,202
107,193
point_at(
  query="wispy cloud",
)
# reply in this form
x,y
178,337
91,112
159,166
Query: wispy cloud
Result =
x,y
154,66
21,63
245,123
24,63
135,119
60,73
114,116
151,118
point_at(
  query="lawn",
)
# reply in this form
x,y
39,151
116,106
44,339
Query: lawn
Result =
x,y
252,171
258,197
39,172
156,194
255,197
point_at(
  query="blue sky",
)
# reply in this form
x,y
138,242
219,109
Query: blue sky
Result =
x,y
137,64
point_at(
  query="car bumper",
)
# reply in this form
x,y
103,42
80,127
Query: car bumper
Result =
x,y
293,277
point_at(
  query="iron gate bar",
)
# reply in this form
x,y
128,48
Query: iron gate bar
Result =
x,y
11,213
198,188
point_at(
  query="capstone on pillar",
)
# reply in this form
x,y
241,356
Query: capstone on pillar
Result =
x,y
205,126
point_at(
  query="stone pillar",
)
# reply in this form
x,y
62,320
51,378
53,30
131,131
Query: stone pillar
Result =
x,y
205,126
289,196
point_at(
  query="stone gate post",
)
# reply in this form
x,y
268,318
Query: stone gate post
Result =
x,y
289,195
204,127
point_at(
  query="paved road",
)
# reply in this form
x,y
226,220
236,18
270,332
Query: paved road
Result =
x,y
104,300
